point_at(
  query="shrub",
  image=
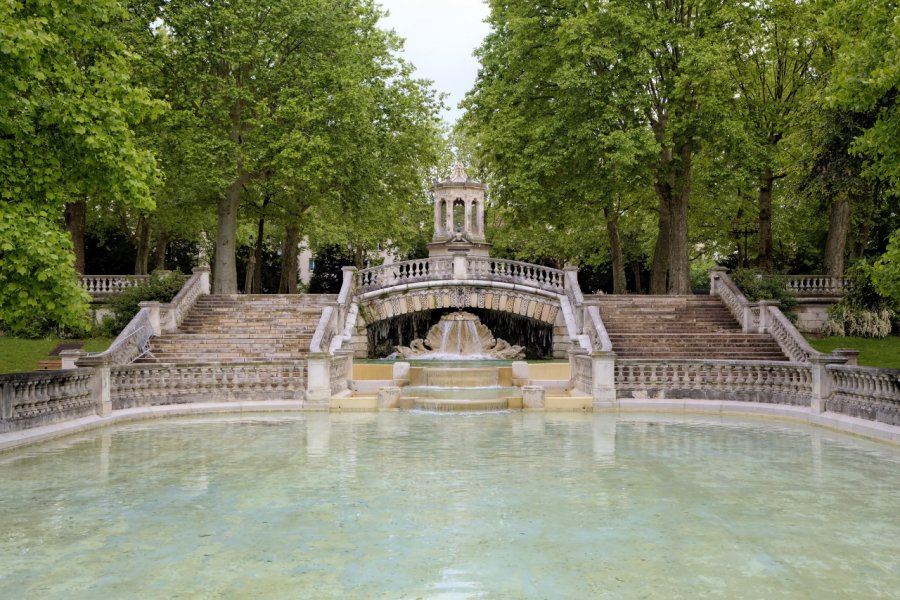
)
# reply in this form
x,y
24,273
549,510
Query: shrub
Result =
x,y
757,286
161,287
863,311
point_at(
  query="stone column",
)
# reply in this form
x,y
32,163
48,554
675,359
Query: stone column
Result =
x,y
467,219
479,217
450,229
438,226
603,379
764,316
821,380
318,379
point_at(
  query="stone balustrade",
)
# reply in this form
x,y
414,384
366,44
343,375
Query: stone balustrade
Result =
x,y
340,371
41,398
761,317
816,285
461,268
103,286
866,393
757,381
152,385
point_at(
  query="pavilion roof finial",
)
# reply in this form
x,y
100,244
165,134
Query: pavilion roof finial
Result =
x,y
459,173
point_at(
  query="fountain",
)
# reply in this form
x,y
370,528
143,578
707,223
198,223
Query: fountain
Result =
x,y
460,336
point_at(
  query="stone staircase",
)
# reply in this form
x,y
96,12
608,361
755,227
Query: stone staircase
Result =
x,y
242,329
688,327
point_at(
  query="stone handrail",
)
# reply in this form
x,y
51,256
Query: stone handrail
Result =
x,y
195,286
129,345
326,329
763,381
867,393
45,397
103,286
761,317
149,385
408,271
597,330
791,341
816,285
512,271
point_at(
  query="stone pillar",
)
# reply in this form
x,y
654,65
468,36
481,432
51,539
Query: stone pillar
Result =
x,y
168,322
714,279
747,320
388,398
449,216
460,266
520,373
438,221
603,379
851,355
764,316
318,379
70,357
479,217
533,397
153,310
821,380
101,383
204,278
401,374
467,219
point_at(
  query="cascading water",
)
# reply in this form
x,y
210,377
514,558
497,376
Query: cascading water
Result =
x,y
460,336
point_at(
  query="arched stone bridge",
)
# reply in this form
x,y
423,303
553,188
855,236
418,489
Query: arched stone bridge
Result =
x,y
461,281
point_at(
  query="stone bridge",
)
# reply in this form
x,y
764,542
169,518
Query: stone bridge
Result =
x,y
460,281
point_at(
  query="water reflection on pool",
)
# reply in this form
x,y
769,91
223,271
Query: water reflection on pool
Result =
x,y
419,505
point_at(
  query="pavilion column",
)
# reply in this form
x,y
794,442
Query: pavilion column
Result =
x,y
438,229
467,225
450,228
479,216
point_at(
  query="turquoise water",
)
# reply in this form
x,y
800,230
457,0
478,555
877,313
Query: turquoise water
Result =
x,y
421,505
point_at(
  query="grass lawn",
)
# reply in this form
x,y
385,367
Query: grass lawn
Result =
x,y
17,355
884,353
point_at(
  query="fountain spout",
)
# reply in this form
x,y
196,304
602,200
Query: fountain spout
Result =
x,y
460,335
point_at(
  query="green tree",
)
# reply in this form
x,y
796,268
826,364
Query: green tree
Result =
x,y
67,112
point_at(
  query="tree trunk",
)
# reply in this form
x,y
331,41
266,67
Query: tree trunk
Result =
x,y
76,219
289,253
225,268
659,269
142,237
766,257
258,251
679,262
615,250
837,237
162,242
636,272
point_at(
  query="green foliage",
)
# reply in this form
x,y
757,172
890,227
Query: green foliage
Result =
x,y
38,289
328,276
757,285
863,311
160,288
18,355
886,271
882,353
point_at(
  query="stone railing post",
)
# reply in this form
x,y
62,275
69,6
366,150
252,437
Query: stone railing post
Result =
x,y
764,316
318,379
460,266
851,355
168,319
101,382
714,279
821,380
153,314
603,379
204,278
70,357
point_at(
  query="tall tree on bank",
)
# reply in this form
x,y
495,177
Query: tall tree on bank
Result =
x,y
67,108
642,67
773,46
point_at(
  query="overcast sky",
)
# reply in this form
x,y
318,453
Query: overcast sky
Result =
x,y
440,38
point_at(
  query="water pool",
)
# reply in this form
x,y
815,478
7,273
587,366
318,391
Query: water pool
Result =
x,y
422,505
